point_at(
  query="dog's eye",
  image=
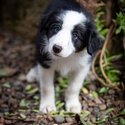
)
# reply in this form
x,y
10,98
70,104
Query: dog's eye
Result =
x,y
75,36
55,28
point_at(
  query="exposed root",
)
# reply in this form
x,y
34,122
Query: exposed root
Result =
x,y
108,83
93,69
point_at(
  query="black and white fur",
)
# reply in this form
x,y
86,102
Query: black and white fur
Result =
x,y
66,41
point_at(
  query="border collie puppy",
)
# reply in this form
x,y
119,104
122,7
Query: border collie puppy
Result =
x,y
66,42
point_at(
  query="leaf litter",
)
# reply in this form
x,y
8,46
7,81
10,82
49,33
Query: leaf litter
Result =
x,y
19,101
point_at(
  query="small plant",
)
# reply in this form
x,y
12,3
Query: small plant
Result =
x,y
109,69
120,21
100,23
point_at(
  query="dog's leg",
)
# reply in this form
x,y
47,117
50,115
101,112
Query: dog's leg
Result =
x,y
32,74
72,94
47,101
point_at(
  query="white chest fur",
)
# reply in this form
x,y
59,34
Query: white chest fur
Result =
x,y
76,61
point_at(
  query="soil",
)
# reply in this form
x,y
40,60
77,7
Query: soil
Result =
x,y
18,107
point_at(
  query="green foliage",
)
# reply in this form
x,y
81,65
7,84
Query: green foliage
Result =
x,y
63,113
35,110
122,121
109,110
28,87
109,69
123,112
24,103
120,21
22,110
85,90
100,23
61,86
23,116
6,85
102,120
59,105
32,91
103,90
95,94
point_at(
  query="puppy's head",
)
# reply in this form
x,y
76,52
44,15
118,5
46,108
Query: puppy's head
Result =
x,y
69,32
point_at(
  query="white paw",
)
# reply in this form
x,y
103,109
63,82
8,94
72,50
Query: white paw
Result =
x,y
31,76
73,106
47,108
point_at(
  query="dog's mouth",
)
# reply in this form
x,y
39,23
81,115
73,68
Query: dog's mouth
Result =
x,y
60,55
55,54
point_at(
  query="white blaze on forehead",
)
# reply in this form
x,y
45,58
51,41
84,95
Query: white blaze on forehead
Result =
x,y
72,18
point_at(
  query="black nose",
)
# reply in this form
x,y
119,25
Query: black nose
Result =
x,y
57,49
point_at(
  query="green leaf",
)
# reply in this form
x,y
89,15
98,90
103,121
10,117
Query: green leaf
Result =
x,y
109,110
35,110
103,90
114,20
123,112
120,21
83,121
57,88
84,113
122,121
7,113
118,30
24,103
95,94
60,105
67,112
104,32
22,110
33,91
113,57
28,87
57,102
84,90
23,116
107,53
6,85
36,97
86,83
101,121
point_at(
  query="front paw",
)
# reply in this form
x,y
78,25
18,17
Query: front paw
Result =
x,y
73,106
46,108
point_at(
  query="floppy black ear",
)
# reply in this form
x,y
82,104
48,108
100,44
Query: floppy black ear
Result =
x,y
43,22
94,42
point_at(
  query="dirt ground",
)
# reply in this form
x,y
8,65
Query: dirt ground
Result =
x,y
19,100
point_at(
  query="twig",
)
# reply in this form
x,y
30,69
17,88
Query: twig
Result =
x,y
123,85
108,37
101,53
93,69
105,58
